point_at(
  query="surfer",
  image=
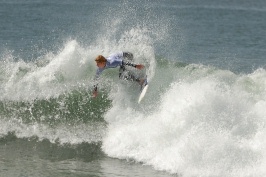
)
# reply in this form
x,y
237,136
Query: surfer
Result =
x,y
120,59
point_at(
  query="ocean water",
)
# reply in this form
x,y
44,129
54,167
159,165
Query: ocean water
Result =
x,y
204,113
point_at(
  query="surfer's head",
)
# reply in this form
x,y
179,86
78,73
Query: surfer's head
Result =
x,y
100,61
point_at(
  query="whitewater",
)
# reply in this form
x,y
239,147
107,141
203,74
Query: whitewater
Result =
x,y
206,121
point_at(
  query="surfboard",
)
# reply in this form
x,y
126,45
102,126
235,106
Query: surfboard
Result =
x,y
143,91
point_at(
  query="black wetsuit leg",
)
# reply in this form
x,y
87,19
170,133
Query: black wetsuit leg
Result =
x,y
129,76
128,56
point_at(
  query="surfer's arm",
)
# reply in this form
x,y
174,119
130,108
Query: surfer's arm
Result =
x,y
95,91
138,66
96,81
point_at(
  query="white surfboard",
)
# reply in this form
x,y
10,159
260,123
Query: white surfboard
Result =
x,y
143,91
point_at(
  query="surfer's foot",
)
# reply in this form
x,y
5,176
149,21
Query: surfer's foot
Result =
x,y
141,81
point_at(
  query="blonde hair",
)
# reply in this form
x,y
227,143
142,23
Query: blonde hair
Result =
x,y
100,59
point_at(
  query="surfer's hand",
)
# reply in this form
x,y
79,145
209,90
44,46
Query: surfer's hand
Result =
x,y
94,94
139,66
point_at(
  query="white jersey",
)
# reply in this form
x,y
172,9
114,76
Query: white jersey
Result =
x,y
113,61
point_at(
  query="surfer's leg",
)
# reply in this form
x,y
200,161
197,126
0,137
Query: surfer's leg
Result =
x,y
132,77
128,56
127,75
121,70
